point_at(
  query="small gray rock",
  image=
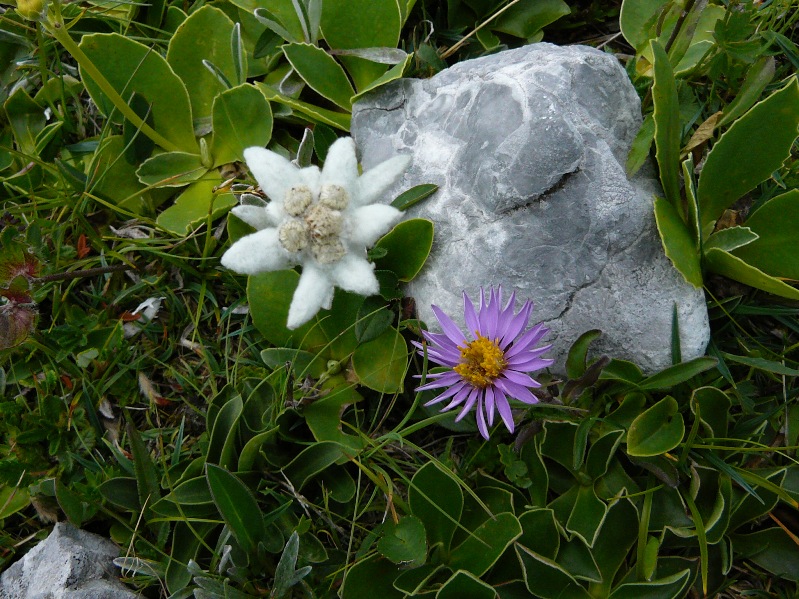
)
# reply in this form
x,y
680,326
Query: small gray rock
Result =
x,y
69,564
528,147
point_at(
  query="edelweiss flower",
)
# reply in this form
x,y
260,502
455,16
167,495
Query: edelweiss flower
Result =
x,y
323,221
490,365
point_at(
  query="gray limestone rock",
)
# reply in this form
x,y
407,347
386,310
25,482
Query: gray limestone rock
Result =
x,y
528,148
69,564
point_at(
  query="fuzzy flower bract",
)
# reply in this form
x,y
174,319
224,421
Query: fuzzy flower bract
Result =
x,y
321,220
491,364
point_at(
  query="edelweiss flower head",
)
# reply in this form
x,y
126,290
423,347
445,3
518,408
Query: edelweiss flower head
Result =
x,y
489,365
321,220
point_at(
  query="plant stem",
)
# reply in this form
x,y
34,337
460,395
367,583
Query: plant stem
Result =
x,y
59,31
79,274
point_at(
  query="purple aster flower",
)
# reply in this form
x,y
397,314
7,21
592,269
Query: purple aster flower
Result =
x,y
491,364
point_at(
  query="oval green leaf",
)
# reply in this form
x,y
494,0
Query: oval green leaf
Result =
x,y
171,169
668,128
381,363
129,67
407,246
321,72
241,118
657,430
404,542
205,35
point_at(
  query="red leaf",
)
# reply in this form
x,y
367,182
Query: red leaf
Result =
x,y
83,247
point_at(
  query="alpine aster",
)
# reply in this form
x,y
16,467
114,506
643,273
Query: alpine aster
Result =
x,y
490,364
321,220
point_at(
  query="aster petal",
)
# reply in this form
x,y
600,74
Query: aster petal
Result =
x,y
503,407
440,382
374,182
527,340
255,216
517,323
341,166
457,388
530,360
470,315
520,378
451,330
370,223
489,404
444,358
515,391
506,316
356,274
256,253
459,398
481,420
470,401
440,339
311,293
274,173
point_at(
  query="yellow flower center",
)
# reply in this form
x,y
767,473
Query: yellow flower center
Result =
x,y
482,362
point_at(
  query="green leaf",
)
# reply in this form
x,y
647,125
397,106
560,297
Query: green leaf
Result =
x,y
437,500
775,224
618,534
27,120
658,430
194,206
635,19
662,588
407,246
138,147
540,532
679,373
171,169
146,474
205,35
735,268
222,445
404,542
763,135
122,492
113,177
381,363
374,319
677,242
414,195
303,363
576,360
323,416
486,544
241,118
129,67
465,584
321,72
285,575
546,578
762,364
238,508
526,19
361,24
758,76
668,128
730,239
587,515
71,503
311,461
316,114
394,73
712,406
370,578
771,549
639,150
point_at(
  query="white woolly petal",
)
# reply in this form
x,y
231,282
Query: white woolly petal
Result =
x,y
370,223
377,180
274,173
256,253
328,303
255,216
313,292
355,274
275,212
341,166
310,176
